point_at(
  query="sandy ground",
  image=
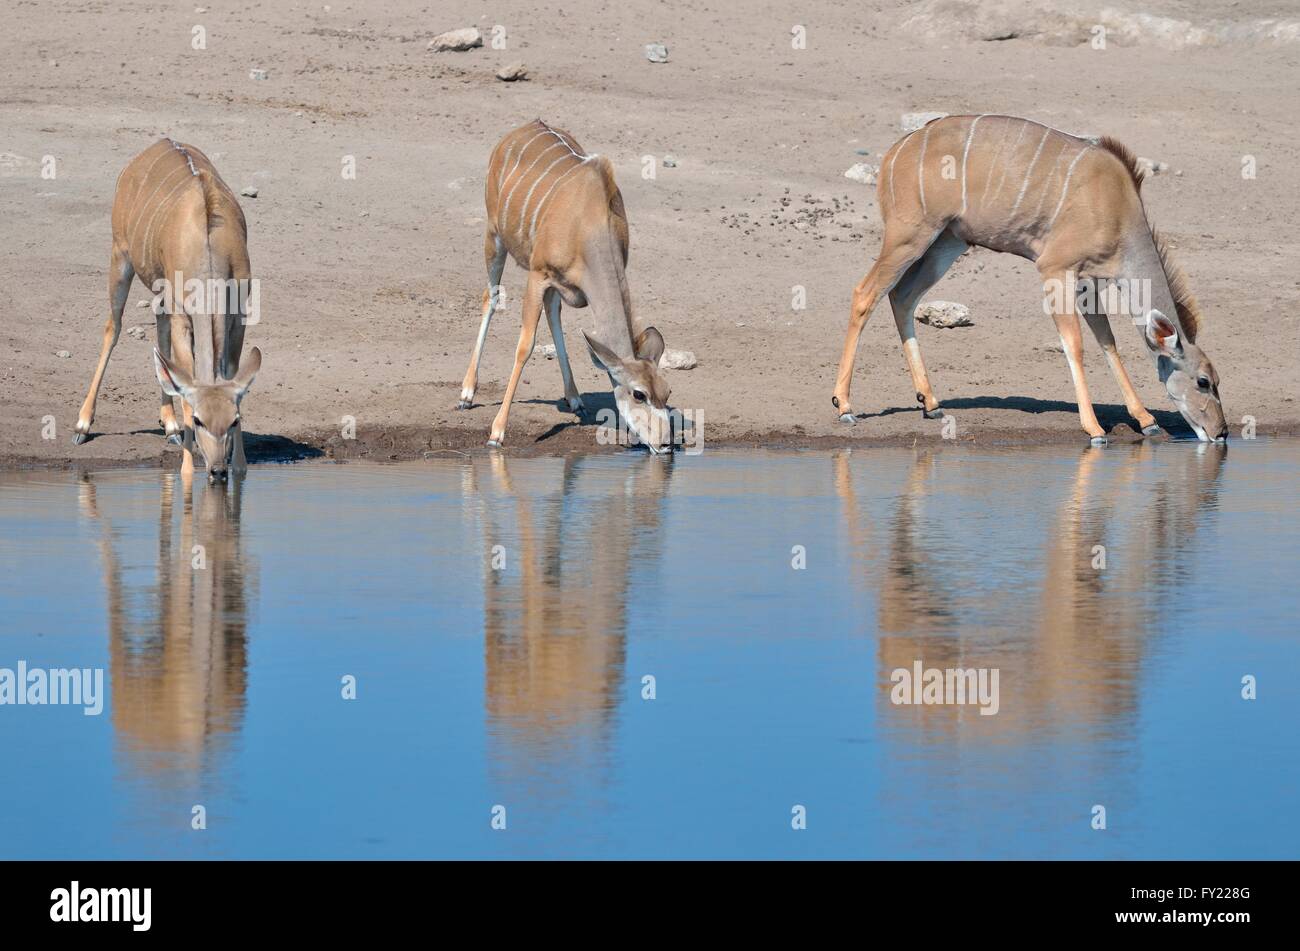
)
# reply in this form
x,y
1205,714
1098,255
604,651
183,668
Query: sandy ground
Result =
x,y
370,287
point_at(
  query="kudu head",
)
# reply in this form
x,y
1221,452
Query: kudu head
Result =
x,y
215,407
1188,376
640,392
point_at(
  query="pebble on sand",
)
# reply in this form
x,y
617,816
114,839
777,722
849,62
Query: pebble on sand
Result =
x,y
944,314
1152,166
249,191
137,332
670,161
62,353
678,360
656,52
911,121
257,74
512,73
456,41
862,173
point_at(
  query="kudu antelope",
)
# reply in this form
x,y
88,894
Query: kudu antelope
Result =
x,y
1071,207
176,222
557,211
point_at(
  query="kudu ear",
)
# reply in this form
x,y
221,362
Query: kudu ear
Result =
x,y
604,358
649,345
1162,334
174,382
248,368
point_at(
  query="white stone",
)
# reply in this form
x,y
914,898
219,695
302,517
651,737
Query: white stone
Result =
x,y
656,52
944,314
862,173
456,41
678,360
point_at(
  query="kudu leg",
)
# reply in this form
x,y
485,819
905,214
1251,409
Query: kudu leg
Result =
x,y
166,411
896,255
120,274
182,340
907,293
532,313
551,300
1100,326
1067,325
494,252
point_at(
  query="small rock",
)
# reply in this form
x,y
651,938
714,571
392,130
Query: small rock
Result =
x,y
200,9
862,173
64,354
513,73
143,303
670,161
249,191
137,332
1152,166
912,121
656,52
944,314
257,74
546,350
678,360
456,41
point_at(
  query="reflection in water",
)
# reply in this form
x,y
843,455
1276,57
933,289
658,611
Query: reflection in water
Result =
x,y
178,642
1070,630
1117,684
559,554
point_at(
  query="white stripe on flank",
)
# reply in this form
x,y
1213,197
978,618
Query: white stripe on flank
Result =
x,y
894,158
135,227
1029,171
1066,187
970,136
1002,179
504,223
147,172
920,167
144,247
1042,193
993,162
519,158
532,228
523,210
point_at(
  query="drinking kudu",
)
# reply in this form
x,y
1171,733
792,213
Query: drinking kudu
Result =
x,y
557,211
178,227
1071,207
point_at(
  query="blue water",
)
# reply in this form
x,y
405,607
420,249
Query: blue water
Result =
x,y
520,684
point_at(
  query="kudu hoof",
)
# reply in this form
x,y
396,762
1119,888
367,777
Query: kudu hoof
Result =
x,y
1099,440
496,444
1153,430
936,413
848,418
464,404
79,437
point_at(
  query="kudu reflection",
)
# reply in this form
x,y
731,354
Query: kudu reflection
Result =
x,y
177,642
1072,644
577,538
